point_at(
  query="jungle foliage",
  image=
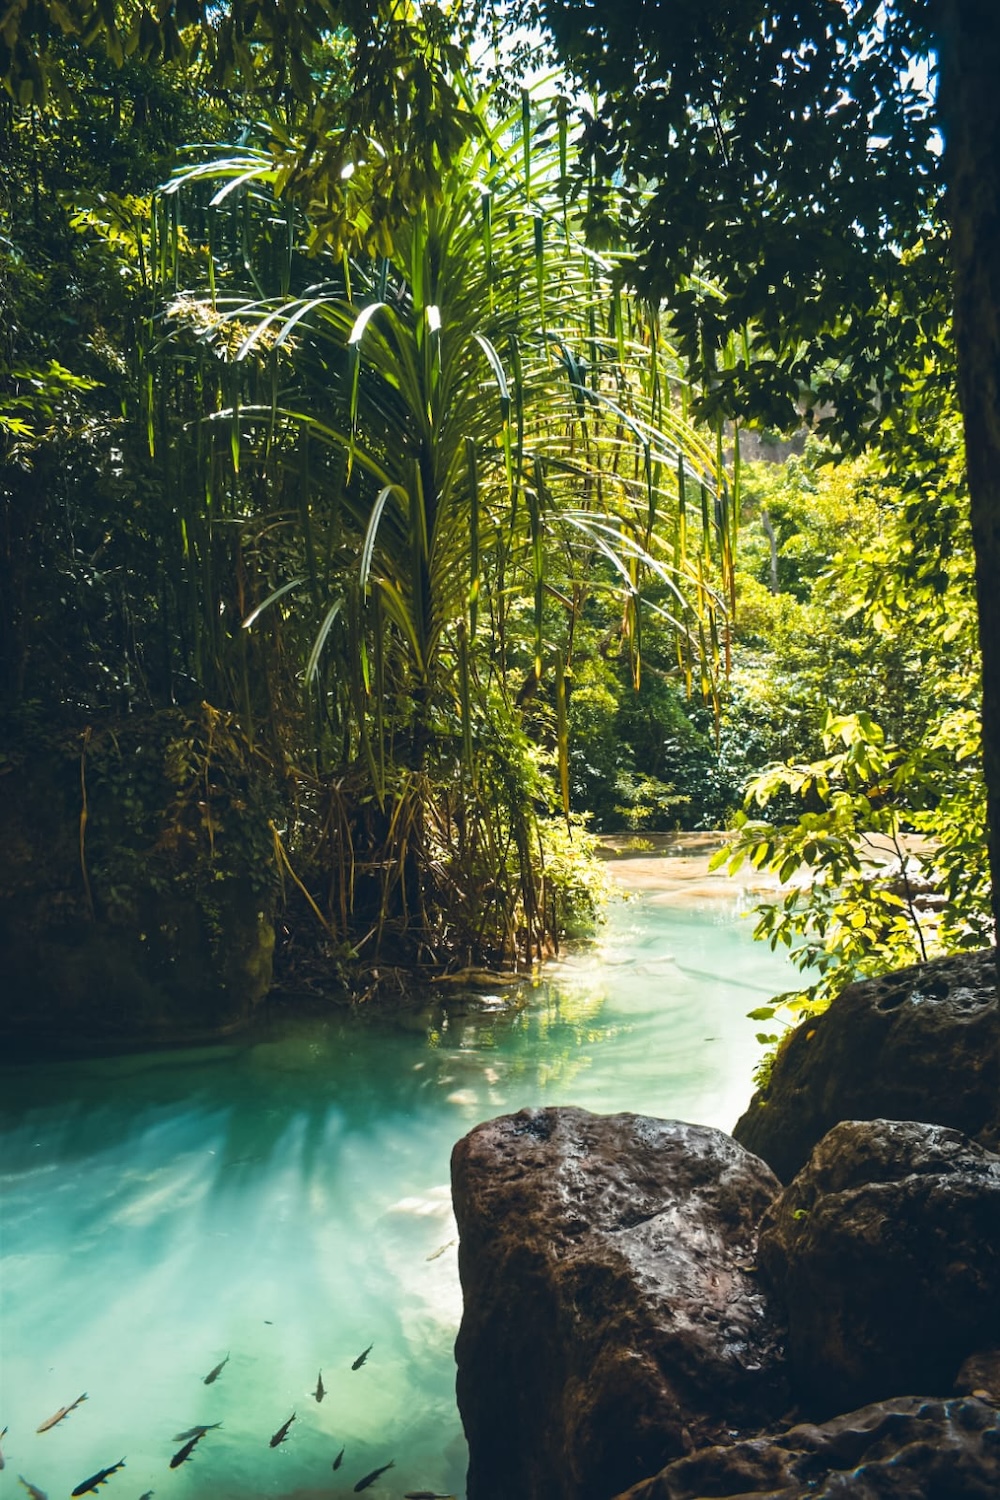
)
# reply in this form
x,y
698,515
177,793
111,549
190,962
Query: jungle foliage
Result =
x,y
864,669
351,405
831,170
844,214
361,505
433,461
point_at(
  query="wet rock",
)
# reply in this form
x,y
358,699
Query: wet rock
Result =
x,y
920,1044
613,1318
909,1448
886,1252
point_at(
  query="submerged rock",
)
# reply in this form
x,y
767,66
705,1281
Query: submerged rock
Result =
x,y
909,1448
920,1044
885,1250
613,1318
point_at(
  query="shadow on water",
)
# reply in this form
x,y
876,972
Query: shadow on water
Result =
x,y
283,1200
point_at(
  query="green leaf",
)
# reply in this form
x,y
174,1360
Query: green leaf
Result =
x,y
319,643
272,598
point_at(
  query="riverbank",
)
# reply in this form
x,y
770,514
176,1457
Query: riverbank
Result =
x,y
675,867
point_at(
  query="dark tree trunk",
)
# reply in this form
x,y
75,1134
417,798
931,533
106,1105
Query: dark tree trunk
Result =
x,y
969,35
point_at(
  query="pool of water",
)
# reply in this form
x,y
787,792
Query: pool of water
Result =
x,y
282,1203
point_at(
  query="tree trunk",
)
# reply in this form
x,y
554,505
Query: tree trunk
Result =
x,y
969,36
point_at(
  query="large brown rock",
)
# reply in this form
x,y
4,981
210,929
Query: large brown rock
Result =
x,y
612,1318
920,1044
886,1252
909,1448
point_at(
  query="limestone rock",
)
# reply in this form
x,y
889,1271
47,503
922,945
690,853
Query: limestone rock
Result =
x,y
920,1044
613,1319
886,1251
909,1448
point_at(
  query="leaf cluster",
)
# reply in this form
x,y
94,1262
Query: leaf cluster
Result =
x,y
789,155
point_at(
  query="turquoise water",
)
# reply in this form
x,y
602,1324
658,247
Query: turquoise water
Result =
x,y
284,1201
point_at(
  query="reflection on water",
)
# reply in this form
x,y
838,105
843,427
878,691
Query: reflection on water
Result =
x,y
284,1202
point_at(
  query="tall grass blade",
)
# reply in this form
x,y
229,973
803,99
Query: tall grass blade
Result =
x,y
319,644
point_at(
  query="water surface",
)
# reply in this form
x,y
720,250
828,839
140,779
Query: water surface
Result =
x,y
284,1201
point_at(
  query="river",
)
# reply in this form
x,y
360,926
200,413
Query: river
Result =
x,y
281,1203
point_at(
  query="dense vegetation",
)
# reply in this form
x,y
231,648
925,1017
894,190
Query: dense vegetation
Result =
x,y
349,516
360,542
831,169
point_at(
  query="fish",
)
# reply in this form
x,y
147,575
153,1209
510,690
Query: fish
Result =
x,y
147,1496
181,1437
282,1432
320,1390
33,1490
2,1436
63,1411
339,1459
101,1477
213,1375
363,1484
183,1454
434,1255
362,1357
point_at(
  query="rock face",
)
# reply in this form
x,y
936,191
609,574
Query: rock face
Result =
x,y
920,1044
612,1318
910,1448
130,926
886,1252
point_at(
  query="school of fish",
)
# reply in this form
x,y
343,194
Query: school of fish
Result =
x,y
192,1436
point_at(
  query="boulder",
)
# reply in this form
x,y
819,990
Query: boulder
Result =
x,y
613,1320
920,1044
909,1448
885,1250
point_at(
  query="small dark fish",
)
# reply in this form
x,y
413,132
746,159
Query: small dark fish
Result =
x,y
147,1496
183,1454
339,1459
362,1357
320,1390
213,1375
63,1411
192,1432
363,1484
2,1436
282,1432
33,1490
101,1477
